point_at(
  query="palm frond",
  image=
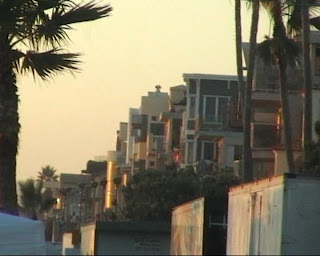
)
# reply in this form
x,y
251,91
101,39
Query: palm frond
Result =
x,y
264,51
294,23
87,12
28,192
271,48
315,22
15,56
53,30
47,64
44,5
47,204
293,51
51,33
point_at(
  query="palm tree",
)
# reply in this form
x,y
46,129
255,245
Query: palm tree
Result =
x,y
281,51
247,153
34,202
117,182
239,55
307,121
41,26
47,174
299,23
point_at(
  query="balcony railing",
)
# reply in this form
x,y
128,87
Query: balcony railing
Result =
x,y
265,117
229,120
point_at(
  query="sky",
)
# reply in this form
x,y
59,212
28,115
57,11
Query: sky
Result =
x,y
71,119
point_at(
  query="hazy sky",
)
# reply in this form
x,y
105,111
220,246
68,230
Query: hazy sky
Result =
x,y
69,120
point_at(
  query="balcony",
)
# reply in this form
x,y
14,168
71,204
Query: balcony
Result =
x,y
266,97
268,118
155,144
228,124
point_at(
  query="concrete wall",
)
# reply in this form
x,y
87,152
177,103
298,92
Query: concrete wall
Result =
x,y
177,93
154,103
301,225
280,161
132,243
87,240
125,238
275,216
255,218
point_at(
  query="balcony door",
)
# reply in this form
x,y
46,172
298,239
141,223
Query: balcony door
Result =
x,y
213,108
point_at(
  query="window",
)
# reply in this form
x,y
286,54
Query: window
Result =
x,y
157,128
154,118
190,152
207,150
265,136
237,152
151,164
192,86
192,106
213,108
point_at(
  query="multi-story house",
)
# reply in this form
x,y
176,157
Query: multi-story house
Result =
x,y
146,131
269,157
211,128
172,125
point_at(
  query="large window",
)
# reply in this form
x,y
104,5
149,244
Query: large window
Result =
x,y
213,108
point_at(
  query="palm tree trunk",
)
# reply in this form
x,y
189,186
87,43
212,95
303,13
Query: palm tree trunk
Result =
x,y
307,123
247,153
279,33
9,127
239,56
286,113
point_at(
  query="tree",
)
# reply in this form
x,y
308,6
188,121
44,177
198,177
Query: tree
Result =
x,y
47,174
152,194
247,154
307,81
33,202
41,26
216,188
239,55
281,51
299,23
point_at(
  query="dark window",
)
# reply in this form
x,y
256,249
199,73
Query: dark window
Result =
x,y
210,108
154,118
265,136
237,152
157,128
192,86
208,150
151,163
191,125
